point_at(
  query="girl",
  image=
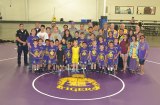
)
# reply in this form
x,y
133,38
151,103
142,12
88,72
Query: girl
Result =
x,y
67,36
124,52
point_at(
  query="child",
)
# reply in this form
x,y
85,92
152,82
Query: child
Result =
x,y
60,58
35,52
118,51
101,58
111,52
93,55
84,55
142,53
75,56
52,56
101,42
92,38
81,39
110,38
46,52
64,44
41,46
68,57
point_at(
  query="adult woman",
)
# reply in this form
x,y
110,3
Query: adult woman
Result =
x,y
124,44
142,53
133,54
67,36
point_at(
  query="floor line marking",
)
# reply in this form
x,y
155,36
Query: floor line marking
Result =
x,y
7,59
153,62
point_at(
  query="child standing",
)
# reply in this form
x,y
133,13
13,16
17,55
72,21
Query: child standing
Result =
x,y
52,56
60,57
81,39
93,55
68,56
84,53
75,56
35,52
118,51
111,55
46,52
101,58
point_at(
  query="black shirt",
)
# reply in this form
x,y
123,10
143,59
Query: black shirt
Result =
x,y
60,54
37,30
22,35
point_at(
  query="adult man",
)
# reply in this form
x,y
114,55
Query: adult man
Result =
x,y
21,38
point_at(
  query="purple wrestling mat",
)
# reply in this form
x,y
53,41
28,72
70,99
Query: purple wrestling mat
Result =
x,y
20,87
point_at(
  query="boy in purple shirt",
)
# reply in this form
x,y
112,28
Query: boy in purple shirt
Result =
x,y
101,42
118,51
46,53
111,54
93,55
84,53
101,58
81,39
35,52
110,38
142,53
30,40
68,56
52,56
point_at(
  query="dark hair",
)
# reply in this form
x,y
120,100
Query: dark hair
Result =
x,y
65,25
48,28
77,32
142,36
21,24
65,33
135,37
35,40
43,25
47,40
56,40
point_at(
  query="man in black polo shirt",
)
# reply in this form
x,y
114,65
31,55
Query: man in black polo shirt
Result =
x,y
21,38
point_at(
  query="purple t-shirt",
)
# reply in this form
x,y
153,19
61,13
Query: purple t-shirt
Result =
x,y
68,53
143,47
117,48
36,51
84,52
93,52
111,53
80,41
31,38
109,40
101,55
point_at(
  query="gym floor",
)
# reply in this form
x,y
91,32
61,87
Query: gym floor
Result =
x,y
20,87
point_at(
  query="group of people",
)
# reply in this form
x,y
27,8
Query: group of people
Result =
x,y
106,49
